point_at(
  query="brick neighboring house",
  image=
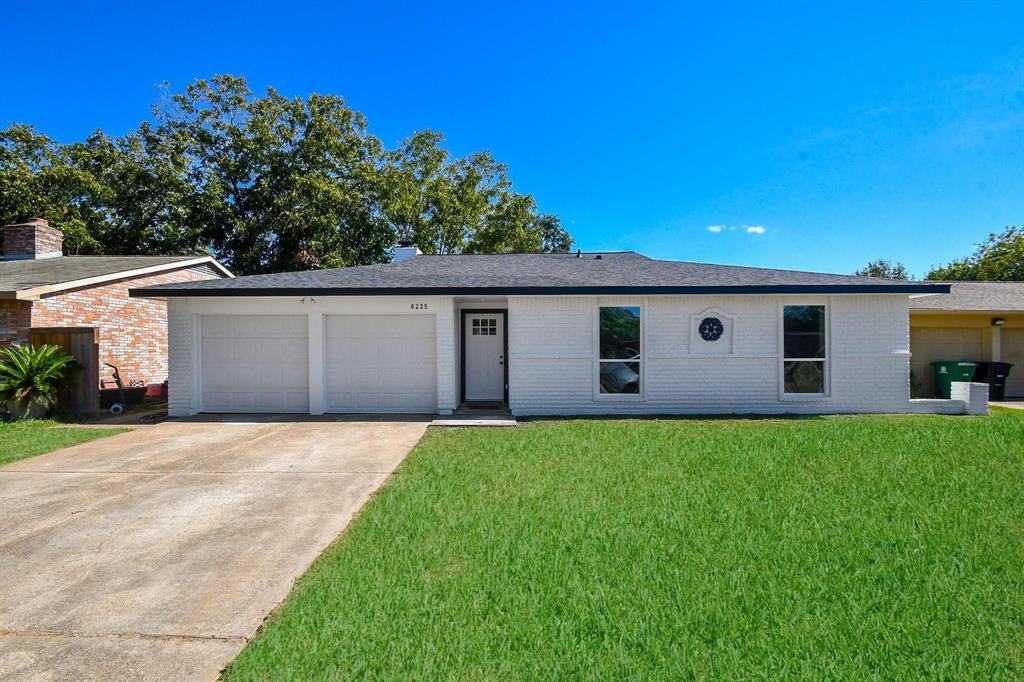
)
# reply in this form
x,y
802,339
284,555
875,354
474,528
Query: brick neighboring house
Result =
x,y
41,287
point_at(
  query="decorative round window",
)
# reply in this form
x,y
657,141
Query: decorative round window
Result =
x,y
711,329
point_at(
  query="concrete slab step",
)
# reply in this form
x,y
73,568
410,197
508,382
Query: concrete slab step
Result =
x,y
475,421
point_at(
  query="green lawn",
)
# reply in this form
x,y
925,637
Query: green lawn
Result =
x,y
29,438
844,547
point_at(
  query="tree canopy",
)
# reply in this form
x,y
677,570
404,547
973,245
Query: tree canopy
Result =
x,y
999,258
266,184
885,269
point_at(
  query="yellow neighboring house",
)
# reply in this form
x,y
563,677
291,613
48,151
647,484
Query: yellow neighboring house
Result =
x,y
976,321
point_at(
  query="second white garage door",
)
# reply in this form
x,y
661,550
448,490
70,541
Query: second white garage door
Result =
x,y
380,363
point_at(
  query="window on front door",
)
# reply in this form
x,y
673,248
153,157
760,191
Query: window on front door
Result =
x,y
485,327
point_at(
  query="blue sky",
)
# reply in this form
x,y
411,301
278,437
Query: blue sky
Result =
x,y
847,132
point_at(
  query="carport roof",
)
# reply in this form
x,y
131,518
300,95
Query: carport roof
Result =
x,y
607,273
975,296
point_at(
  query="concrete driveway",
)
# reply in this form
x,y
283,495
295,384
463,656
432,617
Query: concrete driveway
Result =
x,y
156,554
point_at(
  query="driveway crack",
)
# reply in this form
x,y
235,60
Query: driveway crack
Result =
x,y
68,634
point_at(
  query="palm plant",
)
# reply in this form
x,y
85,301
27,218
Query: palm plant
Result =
x,y
32,376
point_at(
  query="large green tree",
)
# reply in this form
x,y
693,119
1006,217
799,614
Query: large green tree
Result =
x,y
39,178
885,269
265,183
999,258
455,205
554,237
277,183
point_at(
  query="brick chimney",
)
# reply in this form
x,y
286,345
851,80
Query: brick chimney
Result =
x,y
32,240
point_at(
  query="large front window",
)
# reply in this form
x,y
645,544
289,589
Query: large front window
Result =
x,y
619,350
804,352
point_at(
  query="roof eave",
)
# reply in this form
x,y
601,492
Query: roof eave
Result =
x,y
35,293
904,289
966,311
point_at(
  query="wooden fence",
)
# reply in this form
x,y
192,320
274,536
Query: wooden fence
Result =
x,y
83,395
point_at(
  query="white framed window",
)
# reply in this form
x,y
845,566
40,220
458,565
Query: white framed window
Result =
x,y
803,362
620,350
485,327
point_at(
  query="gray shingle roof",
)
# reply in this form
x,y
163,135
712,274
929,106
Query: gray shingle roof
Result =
x,y
609,273
987,296
18,275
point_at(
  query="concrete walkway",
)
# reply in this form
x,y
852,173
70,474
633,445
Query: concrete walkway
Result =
x,y
155,554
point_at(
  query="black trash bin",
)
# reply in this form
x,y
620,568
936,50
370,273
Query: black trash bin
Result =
x,y
994,374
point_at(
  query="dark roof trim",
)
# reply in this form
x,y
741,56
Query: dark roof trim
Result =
x,y
545,291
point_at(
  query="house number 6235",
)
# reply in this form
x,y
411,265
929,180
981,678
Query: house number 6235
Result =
x,y
417,306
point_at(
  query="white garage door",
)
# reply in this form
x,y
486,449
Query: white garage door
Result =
x,y
1012,350
255,363
380,363
929,345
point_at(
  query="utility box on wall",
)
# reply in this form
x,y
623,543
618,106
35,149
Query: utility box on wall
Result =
x,y
974,396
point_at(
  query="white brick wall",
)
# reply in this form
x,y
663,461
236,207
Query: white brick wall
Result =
x,y
552,368
181,358
974,396
552,363
446,353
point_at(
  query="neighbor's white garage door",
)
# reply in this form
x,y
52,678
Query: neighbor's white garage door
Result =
x,y
1012,350
255,363
929,345
380,363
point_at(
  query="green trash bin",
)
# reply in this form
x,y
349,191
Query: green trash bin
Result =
x,y
948,372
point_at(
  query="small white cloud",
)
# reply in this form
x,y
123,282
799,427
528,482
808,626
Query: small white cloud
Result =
x,y
749,229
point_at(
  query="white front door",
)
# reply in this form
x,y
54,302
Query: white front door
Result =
x,y
484,339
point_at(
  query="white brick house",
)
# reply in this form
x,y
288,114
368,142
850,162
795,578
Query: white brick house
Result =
x,y
544,334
